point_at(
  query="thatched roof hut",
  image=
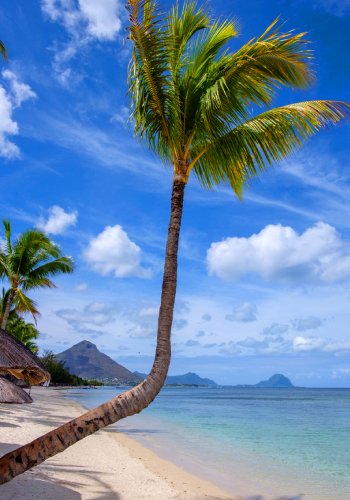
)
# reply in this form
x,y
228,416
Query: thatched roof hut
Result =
x,y
11,393
19,361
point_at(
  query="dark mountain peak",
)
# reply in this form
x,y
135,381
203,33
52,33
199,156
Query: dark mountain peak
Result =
x,y
84,344
277,380
85,360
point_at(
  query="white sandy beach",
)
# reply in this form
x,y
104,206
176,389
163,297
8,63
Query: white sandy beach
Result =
x,y
104,466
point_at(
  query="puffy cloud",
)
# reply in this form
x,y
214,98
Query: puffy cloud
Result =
x,y
302,344
244,312
87,321
17,93
112,252
200,333
251,346
100,20
94,313
58,220
310,323
279,253
20,91
103,20
84,20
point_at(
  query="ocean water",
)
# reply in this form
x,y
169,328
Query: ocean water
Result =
x,y
258,443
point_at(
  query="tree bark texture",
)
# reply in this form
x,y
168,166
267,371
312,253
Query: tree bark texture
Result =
x,y
7,308
130,402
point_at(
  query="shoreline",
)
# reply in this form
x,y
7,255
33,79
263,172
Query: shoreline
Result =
x,y
106,465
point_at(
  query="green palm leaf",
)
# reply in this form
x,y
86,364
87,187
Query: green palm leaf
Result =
x,y
269,137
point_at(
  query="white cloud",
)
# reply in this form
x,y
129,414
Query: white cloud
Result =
x,y
7,127
9,100
318,255
303,344
102,18
58,220
112,252
94,315
20,91
85,21
280,344
245,313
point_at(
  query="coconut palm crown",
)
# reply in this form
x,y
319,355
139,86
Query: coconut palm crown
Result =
x,y
193,98
28,263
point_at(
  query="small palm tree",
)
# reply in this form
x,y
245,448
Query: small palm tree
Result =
x,y
28,263
26,333
192,103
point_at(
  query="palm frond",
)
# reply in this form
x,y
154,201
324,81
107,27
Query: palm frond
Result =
x,y
148,76
38,277
24,304
7,231
250,76
269,137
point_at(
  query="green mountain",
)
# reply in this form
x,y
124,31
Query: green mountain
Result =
x,y
86,361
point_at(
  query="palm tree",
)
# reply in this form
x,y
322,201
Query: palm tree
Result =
x,y
17,327
3,51
26,333
28,263
192,104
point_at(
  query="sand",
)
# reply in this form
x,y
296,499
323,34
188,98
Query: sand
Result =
x,y
105,466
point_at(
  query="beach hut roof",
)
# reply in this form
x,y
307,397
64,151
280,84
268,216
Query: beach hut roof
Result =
x,y
11,393
19,361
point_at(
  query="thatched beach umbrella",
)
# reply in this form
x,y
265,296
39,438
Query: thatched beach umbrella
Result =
x,y
19,361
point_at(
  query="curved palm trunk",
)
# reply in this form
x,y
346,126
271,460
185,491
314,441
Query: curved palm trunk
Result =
x,y
128,403
7,308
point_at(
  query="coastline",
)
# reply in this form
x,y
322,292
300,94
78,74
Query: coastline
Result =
x,y
106,465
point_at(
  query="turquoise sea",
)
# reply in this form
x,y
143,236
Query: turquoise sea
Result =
x,y
258,443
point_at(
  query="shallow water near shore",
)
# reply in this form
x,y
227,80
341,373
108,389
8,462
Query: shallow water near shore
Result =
x,y
290,443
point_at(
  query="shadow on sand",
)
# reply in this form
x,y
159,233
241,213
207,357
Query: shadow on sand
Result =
x,y
37,483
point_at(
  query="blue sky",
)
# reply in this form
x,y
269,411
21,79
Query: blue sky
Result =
x,y
263,283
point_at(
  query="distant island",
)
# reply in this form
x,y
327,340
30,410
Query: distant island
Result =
x,y
277,381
